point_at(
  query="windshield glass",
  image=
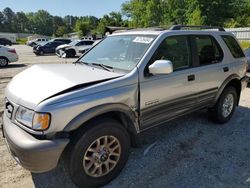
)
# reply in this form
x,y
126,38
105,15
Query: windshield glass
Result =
x,y
73,43
119,52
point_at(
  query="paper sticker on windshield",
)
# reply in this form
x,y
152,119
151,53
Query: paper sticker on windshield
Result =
x,y
145,40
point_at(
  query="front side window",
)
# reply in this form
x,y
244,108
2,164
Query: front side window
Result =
x,y
233,46
175,49
208,49
119,52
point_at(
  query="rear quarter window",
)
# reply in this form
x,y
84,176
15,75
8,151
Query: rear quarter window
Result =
x,y
233,46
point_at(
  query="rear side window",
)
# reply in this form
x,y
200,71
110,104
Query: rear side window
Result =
x,y
233,46
208,49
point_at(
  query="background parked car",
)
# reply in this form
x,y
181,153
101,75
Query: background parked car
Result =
x,y
7,55
247,52
4,41
63,40
84,50
38,41
48,48
72,49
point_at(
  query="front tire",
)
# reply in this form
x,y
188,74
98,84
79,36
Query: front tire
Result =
x,y
97,155
71,53
225,107
41,52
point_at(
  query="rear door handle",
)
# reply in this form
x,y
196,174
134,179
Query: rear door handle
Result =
x,y
191,77
225,69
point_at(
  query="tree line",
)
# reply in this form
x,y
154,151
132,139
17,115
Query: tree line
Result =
x,y
134,13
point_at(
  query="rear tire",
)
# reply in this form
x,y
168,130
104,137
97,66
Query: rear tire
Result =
x,y
90,164
225,106
3,62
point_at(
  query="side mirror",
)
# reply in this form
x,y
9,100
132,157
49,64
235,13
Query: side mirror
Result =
x,y
161,67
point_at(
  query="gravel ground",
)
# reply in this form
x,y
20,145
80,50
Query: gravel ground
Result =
x,y
188,152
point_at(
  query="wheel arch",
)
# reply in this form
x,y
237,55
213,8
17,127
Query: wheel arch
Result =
x,y
232,80
5,58
119,112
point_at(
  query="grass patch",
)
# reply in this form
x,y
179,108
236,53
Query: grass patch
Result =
x,y
21,41
245,44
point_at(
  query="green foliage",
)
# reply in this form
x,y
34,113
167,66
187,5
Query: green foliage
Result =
x,y
245,44
82,27
138,13
61,31
148,13
111,19
21,41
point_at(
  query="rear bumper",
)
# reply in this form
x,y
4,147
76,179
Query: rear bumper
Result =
x,y
33,154
13,59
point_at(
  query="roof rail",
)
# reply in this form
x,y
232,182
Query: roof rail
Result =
x,y
149,29
179,27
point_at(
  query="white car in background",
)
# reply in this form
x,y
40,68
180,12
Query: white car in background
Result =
x,y
7,55
84,49
72,49
38,41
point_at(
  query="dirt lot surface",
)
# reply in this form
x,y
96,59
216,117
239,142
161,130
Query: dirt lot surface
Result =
x,y
188,152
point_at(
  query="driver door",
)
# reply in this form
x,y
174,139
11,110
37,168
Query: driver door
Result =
x,y
163,97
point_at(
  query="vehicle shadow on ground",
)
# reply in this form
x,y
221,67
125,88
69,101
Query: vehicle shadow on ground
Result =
x,y
191,151
10,66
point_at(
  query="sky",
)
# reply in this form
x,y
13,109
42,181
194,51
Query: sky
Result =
x,y
65,7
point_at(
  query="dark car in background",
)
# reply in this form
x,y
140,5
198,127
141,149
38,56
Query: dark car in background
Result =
x,y
4,41
62,40
48,48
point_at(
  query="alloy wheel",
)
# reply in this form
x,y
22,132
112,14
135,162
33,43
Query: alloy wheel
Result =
x,y
102,156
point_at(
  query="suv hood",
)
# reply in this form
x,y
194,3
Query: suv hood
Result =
x,y
40,82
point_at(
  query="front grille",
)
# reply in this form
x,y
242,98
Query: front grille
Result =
x,y
9,108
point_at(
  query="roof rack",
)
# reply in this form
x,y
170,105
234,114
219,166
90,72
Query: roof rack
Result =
x,y
149,29
179,27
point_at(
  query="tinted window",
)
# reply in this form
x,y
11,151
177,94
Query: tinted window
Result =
x,y
209,51
56,44
175,49
81,43
233,46
89,42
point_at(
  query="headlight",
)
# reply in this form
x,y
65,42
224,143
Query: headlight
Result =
x,y
31,119
24,116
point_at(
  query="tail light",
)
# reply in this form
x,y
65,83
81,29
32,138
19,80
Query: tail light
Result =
x,y
12,51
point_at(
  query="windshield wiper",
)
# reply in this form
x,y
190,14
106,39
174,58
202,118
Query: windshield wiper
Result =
x,y
82,62
106,67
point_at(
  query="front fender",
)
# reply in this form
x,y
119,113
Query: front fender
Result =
x,y
89,114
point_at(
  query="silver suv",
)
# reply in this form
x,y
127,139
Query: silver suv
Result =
x,y
89,113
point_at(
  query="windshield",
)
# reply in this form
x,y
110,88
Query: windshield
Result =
x,y
119,52
73,43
